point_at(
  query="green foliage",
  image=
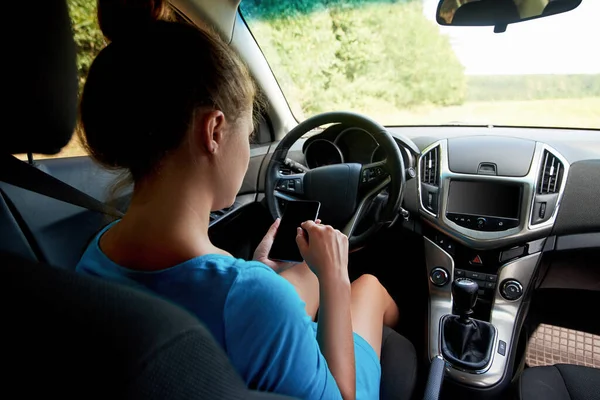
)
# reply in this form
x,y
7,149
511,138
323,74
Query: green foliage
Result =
x,y
355,54
88,37
532,87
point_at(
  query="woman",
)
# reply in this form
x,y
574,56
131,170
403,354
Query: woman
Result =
x,y
172,104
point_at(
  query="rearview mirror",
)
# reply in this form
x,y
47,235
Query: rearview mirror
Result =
x,y
498,13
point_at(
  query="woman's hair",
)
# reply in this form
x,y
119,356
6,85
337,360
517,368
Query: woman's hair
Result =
x,y
142,89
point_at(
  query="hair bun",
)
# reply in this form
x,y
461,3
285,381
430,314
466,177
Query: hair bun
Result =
x,y
121,18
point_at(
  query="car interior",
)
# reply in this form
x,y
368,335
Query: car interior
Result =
x,y
480,233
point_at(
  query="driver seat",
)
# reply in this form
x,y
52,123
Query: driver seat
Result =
x,y
70,336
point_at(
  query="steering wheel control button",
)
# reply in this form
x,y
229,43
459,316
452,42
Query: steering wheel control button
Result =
x,y
511,290
371,174
502,348
292,185
512,253
439,276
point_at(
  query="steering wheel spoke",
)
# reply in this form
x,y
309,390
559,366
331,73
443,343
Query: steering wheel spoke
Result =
x,y
375,189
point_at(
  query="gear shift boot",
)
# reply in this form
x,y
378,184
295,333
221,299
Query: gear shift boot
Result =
x,y
467,344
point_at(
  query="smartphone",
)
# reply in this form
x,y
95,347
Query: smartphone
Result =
x,y
284,246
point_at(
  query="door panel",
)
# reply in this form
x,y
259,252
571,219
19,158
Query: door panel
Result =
x,y
568,291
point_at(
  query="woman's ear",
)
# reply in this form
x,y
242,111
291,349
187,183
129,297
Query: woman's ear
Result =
x,y
209,129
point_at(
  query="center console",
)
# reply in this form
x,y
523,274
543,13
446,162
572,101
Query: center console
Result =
x,y
488,204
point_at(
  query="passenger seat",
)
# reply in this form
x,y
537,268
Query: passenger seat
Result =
x,y
560,382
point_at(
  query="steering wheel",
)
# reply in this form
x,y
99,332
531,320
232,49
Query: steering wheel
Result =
x,y
345,190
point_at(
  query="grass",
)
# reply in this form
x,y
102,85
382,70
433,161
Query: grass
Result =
x,y
531,87
568,113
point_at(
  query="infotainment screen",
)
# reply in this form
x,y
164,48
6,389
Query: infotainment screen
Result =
x,y
488,199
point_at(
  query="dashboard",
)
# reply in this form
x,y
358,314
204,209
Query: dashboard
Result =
x,y
488,202
340,144
485,187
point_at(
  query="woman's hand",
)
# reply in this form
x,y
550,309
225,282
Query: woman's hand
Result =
x,y
262,251
325,250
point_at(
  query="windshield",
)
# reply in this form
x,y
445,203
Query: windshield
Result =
x,y
392,61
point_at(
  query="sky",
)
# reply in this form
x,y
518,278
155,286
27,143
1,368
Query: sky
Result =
x,y
567,43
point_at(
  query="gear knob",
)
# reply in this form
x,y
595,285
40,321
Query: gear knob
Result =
x,y
464,294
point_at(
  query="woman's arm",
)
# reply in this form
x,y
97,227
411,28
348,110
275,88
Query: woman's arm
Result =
x,y
326,253
334,334
307,286
271,341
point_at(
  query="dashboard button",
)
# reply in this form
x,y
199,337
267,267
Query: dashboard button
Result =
x,y
502,348
474,275
489,285
481,284
439,276
511,290
459,273
477,260
491,278
481,223
512,253
542,210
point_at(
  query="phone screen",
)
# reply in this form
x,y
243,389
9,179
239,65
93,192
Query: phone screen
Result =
x,y
284,245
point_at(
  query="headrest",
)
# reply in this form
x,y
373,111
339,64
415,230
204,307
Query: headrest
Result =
x,y
40,78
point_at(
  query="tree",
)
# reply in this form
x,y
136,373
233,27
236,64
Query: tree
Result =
x,y
88,36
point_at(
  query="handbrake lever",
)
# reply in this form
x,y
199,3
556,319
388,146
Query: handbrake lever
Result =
x,y
435,378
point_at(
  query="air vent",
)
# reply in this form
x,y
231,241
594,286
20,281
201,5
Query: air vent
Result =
x,y
430,167
551,174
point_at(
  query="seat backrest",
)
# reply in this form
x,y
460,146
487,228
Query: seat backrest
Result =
x,y
40,88
71,336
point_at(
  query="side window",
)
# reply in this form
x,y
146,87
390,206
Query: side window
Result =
x,y
89,41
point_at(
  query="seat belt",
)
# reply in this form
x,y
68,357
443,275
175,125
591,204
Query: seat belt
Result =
x,y
21,174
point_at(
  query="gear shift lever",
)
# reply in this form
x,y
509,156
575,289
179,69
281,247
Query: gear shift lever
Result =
x,y
464,293
466,342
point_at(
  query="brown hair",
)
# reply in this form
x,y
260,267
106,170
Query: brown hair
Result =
x,y
143,88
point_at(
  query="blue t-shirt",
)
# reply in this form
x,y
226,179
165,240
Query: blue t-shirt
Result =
x,y
255,315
